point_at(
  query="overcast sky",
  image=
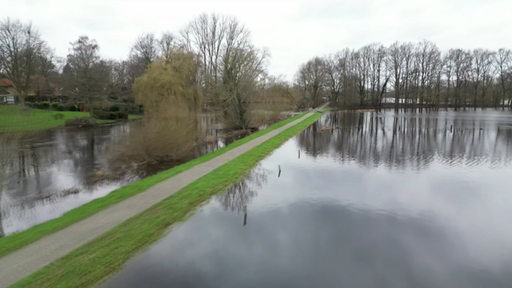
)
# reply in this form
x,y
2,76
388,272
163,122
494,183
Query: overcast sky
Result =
x,y
292,31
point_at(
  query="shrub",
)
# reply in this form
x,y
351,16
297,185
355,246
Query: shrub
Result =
x,y
58,116
70,107
100,114
114,108
122,115
60,107
30,99
44,105
107,115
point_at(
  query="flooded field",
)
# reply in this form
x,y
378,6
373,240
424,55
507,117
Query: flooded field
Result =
x,y
357,200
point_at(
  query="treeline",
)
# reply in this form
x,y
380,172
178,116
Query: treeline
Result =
x,y
231,71
76,81
232,77
408,75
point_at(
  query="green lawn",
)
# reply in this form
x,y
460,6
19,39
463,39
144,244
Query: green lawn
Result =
x,y
16,119
18,240
93,262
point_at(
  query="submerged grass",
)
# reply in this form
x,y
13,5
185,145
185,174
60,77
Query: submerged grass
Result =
x,y
93,262
16,241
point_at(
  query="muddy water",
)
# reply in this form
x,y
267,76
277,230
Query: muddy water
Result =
x,y
357,200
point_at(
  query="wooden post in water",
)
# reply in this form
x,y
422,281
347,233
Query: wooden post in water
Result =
x,y
245,215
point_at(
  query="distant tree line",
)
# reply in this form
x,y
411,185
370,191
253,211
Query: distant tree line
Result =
x,y
408,75
232,77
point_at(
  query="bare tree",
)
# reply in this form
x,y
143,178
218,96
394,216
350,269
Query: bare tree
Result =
x,y
461,62
81,64
242,65
374,58
167,45
503,60
481,75
21,52
395,64
335,69
420,76
206,36
229,65
311,78
428,64
144,51
361,60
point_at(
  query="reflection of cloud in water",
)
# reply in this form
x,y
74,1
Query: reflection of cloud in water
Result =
x,y
307,245
343,220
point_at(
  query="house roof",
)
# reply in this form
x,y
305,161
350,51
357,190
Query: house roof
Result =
x,y
6,83
7,87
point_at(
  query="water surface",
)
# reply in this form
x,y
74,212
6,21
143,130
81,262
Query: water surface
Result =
x,y
50,172
357,200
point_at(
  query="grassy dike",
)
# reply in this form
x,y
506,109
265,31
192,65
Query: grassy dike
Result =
x,y
18,240
90,264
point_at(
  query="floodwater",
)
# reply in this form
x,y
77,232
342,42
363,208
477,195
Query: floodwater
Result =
x,y
51,172
357,200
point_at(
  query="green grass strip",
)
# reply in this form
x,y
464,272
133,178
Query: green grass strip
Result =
x,y
95,261
16,241
16,119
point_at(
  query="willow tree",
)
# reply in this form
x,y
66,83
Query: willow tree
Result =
x,y
171,98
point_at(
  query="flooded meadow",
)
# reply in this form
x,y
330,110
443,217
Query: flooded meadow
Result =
x,y
359,199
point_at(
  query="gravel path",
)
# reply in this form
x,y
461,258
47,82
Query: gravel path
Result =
x,y
29,259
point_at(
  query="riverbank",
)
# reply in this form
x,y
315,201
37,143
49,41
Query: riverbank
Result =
x,y
13,118
182,207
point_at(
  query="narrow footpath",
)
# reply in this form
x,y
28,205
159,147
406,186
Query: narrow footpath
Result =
x,y
27,260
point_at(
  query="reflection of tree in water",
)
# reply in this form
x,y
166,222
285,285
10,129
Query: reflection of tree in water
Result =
x,y
8,147
39,153
409,139
35,159
237,196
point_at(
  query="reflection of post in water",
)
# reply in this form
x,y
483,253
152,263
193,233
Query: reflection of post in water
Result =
x,y
279,173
